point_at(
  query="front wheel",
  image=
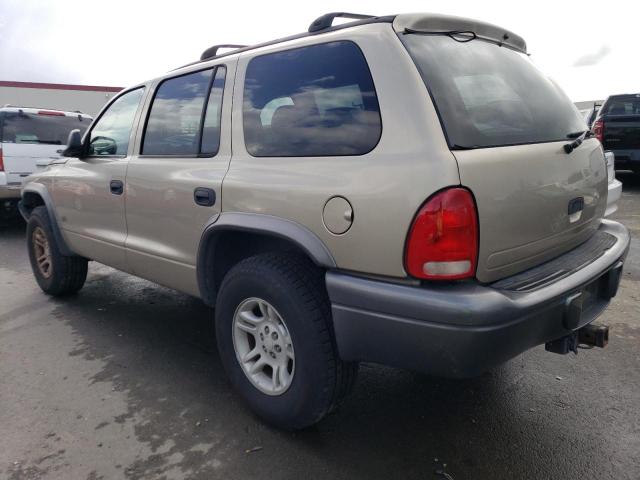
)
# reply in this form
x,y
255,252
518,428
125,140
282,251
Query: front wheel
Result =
x,y
55,273
275,338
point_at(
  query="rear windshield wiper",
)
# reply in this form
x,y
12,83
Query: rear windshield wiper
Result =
x,y
579,137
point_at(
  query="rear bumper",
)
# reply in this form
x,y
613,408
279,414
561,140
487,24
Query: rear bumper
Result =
x,y
463,329
613,195
10,192
626,159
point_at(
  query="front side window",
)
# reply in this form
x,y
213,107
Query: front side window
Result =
x,y
488,95
111,133
312,101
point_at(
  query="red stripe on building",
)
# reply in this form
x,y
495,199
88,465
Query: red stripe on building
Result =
x,y
59,86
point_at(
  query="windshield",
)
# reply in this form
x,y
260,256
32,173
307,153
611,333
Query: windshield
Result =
x,y
487,95
16,127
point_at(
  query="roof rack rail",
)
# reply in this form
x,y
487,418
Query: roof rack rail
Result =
x,y
212,51
326,20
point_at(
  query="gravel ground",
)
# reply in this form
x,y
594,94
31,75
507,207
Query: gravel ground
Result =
x,y
123,381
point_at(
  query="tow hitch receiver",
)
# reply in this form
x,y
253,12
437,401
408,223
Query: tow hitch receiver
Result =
x,y
594,335
589,335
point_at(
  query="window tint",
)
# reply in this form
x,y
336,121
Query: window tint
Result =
x,y
488,95
311,101
623,105
20,127
110,135
211,129
173,127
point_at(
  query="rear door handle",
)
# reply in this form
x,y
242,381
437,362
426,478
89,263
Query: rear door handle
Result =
x,y
116,187
204,196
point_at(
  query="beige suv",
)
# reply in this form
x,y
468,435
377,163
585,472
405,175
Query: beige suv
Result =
x,y
407,190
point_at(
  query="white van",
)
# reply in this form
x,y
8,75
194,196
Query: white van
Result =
x,y
27,136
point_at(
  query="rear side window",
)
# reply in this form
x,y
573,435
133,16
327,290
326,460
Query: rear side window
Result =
x,y
173,127
487,95
175,122
311,101
211,128
46,127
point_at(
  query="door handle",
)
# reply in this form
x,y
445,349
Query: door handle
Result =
x,y
116,187
204,196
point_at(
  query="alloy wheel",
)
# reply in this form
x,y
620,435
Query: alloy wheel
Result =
x,y
263,346
42,252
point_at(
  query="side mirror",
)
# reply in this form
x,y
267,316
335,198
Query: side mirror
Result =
x,y
103,146
74,145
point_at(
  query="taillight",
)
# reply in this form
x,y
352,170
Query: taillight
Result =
x,y
49,112
598,130
443,240
1,161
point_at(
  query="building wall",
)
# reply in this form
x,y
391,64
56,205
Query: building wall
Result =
x,y
87,99
587,104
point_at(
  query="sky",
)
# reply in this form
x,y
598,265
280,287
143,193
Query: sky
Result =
x,y
584,46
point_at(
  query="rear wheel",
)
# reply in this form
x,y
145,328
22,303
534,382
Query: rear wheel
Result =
x,y
275,338
55,273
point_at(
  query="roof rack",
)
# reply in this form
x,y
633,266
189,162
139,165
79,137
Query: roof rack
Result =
x,y
326,20
323,23
212,51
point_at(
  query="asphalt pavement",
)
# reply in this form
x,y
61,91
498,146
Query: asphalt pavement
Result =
x,y
123,381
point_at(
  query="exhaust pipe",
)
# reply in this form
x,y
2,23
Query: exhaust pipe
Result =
x,y
589,335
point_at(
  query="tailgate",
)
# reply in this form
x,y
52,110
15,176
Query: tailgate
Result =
x,y
621,132
20,159
506,124
524,195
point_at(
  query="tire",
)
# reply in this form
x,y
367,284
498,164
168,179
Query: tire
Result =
x,y
64,275
294,289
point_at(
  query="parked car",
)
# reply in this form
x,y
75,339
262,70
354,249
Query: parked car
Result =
x,y
589,114
618,128
29,135
406,190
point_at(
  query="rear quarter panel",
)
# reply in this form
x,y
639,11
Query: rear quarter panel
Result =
x,y
385,186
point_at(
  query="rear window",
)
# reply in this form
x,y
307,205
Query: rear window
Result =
x,y
487,95
17,127
622,105
311,101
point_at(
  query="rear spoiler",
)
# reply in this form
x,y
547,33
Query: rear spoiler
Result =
x,y
446,24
